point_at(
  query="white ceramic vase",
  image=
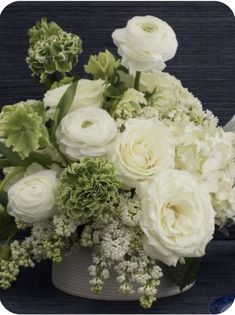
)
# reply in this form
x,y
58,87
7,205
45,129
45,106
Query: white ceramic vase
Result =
x,y
71,276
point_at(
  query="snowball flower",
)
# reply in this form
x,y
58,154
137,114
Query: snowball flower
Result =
x,y
177,217
88,93
145,43
201,150
86,132
32,198
143,149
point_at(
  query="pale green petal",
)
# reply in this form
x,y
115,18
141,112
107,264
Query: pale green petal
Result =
x,y
85,188
22,127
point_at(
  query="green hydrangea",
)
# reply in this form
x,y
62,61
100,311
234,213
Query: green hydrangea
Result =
x,y
102,66
22,127
86,188
51,50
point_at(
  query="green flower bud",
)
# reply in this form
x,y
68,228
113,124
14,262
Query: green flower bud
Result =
x,y
130,104
102,66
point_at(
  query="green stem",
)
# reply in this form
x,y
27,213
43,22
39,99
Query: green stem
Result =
x,y
11,235
17,170
123,68
137,80
62,75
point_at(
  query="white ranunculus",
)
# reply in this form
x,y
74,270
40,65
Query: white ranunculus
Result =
x,y
86,132
145,43
177,217
32,199
143,149
88,93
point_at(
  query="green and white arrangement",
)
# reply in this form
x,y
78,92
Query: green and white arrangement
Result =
x,y
122,161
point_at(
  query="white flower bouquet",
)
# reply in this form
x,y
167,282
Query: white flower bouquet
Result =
x,y
125,162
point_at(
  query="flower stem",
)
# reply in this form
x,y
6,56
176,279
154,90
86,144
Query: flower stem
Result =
x,y
137,80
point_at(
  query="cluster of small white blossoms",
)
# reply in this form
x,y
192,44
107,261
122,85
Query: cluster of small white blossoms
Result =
x,y
118,247
48,239
142,272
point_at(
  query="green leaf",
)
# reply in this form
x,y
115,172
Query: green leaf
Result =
x,y
184,274
5,218
14,159
42,159
8,230
4,251
4,163
63,107
123,68
3,198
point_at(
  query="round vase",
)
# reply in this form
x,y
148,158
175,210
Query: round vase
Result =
x,y
71,276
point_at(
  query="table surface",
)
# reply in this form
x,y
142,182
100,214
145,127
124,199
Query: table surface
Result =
x,y
205,63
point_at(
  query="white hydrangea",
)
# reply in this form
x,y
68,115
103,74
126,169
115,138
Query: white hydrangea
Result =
x,y
208,154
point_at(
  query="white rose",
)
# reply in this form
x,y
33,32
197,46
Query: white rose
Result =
x,y
88,93
145,43
32,198
177,217
143,149
86,132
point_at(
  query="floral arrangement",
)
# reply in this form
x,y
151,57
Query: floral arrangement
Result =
x,y
124,161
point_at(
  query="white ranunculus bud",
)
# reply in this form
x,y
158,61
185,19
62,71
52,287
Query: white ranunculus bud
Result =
x,y
86,132
32,199
142,150
177,217
145,43
88,93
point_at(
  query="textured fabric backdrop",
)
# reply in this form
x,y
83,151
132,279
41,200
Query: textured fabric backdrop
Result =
x,y
205,62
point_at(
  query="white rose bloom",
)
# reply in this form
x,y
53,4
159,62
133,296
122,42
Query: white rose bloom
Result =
x,y
143,149
32,199
88,93
177,217
145,43
86,132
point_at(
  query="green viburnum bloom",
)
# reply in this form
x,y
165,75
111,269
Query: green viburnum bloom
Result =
x,y
86,188
102,66
51,49
129,105
22,127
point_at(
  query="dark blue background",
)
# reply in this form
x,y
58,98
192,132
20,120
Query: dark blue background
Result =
x,y
205,62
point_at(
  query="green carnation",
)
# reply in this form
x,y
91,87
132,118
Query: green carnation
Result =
x,y
86,188
22,127
102,66
51,50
